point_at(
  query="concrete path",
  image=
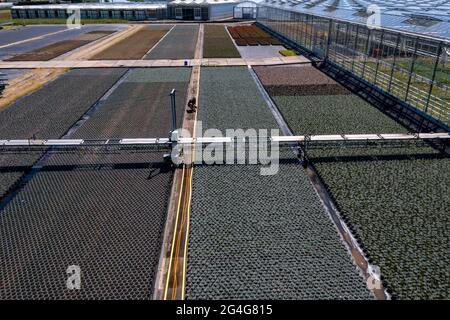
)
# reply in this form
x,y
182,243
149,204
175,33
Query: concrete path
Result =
x,y
150,63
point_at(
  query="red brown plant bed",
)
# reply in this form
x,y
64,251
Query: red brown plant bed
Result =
x,y
251,35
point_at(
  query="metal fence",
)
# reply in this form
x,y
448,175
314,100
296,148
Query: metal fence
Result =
x,y
413,68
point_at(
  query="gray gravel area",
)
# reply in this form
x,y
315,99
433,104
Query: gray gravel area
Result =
x,y
178,44
259,52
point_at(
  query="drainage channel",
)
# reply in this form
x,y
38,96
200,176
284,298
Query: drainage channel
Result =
x,y
42,161
368,271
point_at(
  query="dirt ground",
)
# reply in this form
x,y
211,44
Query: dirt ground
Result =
x,y
134,47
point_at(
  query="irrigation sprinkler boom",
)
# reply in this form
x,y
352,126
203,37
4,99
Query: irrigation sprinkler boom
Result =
x,y
209,140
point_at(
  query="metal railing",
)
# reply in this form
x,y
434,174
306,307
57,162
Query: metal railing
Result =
x,y
413,68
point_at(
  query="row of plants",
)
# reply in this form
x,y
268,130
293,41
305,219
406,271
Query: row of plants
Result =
x,y
252,36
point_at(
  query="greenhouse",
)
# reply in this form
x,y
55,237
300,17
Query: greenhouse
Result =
x,y
410,66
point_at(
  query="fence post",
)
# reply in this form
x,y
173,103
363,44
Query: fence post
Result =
x,y
174,110
394,62
411,69
433,76
328,39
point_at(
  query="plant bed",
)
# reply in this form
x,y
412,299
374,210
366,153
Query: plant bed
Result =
x,y
252,41
268,242
307,90
115,218
217,43
337,114
230,99
252,35
134,47
228,227
51,51
393,198
275,42
241,42
24,33
180,43
294,76
142,100
396,201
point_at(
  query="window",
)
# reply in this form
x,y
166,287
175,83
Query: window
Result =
x,y
198,13
178,13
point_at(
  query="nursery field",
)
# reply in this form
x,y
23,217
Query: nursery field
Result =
x,y
135,46
49,113
178,44
140,106
125,214
127,189
54,50
305,96
397,203
218,44
228,95
253,236
120,243
394,198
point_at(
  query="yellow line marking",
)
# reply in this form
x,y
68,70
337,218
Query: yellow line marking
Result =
x,y
173,240
190,193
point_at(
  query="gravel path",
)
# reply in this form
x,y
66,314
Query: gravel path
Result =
x,y
178,44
